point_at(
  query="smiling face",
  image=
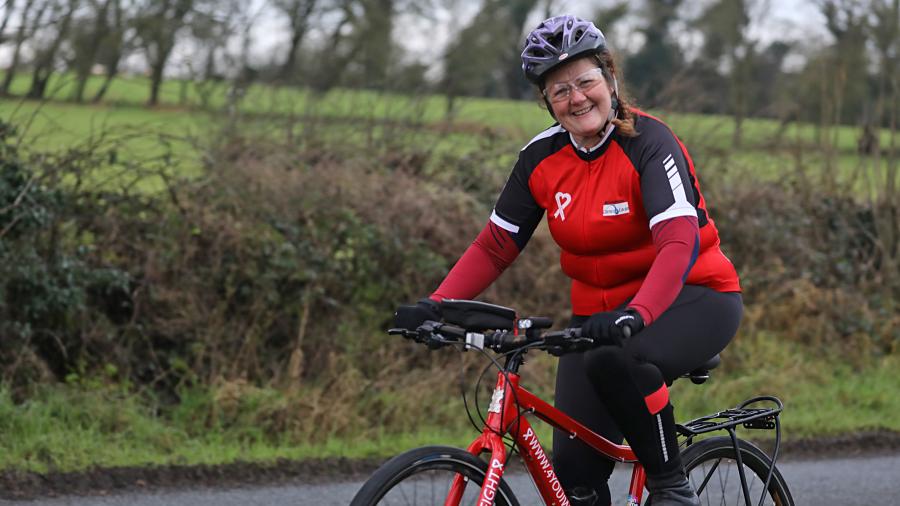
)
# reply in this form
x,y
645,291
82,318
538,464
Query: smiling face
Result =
x,y
582,113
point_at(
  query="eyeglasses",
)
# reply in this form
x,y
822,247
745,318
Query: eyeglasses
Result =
x,y
560,92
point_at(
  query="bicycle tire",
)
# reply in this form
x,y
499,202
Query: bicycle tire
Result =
x,y
706,461
429,471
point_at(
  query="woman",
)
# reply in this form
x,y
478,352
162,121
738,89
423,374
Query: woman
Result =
x,y
624,205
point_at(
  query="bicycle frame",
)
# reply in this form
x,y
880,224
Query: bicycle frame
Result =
x,y
508,401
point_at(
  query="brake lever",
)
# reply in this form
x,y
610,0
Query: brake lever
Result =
x,y
567,341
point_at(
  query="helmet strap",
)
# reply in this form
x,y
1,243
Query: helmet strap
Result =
x,y
613,108
550,109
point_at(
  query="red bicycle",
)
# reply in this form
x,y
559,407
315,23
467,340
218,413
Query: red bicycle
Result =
x,y
723,470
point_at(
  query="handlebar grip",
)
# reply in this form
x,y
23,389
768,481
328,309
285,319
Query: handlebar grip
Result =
x,y
453,331
626,331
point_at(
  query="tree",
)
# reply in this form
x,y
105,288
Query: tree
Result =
x,y
114,48
515,17
375,27
9,8
728,45
29,22
845,87
299,14
885,34
360,38
484,58
61,15
659,61
357,45
158,23
89,35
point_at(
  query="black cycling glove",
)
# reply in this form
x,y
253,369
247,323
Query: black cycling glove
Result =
x,y
410,317
608,328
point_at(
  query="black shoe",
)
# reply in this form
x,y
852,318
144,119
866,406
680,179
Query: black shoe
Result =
x,y
671,489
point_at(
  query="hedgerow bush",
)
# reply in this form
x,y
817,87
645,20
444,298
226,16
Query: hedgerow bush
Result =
x,y
258,291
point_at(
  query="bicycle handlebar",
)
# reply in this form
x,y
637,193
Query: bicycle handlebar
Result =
x,y
436,335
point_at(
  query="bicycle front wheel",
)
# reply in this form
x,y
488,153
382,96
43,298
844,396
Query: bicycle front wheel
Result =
x,y
423,477
712,468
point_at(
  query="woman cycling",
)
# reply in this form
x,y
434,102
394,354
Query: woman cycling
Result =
x,y
624,205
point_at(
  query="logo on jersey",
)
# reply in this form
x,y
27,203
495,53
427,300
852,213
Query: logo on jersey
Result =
x,y
615,209
562,201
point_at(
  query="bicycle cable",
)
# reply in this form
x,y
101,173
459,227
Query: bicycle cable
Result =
x,y
494,363
507,438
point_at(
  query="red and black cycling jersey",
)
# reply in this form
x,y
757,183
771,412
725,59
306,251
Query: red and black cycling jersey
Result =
x,y
610,210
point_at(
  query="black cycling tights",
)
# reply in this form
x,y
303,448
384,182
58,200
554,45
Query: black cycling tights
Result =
x,y
611,389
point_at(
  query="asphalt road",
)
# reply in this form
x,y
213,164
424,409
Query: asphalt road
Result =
x,y
848,481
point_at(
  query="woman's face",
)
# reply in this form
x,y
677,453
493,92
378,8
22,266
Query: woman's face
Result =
x,y
579,101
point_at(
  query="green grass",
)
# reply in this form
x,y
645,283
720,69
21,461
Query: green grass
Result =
x,y
358,119
53,125
379,122
80,425
521,119
128,137
821,396
70,428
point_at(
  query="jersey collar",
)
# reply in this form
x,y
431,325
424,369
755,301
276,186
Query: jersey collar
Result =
x,y
585,151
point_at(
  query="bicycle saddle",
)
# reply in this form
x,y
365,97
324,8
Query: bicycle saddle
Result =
x,y
701,374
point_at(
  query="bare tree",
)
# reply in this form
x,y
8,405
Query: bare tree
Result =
x,y
45,57
118,42
212,26
299,14
847,21
885,34
359,42
654,66
484,57
29,21
88,36
9,8
726,25
158,23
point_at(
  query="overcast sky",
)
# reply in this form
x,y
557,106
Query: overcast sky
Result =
x,y
425,39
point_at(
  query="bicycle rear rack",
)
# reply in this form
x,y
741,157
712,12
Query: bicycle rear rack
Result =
x,y
751,418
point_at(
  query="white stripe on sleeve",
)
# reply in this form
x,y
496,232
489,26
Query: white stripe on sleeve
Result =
x,y
681,206
505,225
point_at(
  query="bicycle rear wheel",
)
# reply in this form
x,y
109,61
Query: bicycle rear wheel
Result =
x,y
713,471
423,477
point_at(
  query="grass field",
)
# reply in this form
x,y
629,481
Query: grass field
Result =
x,y
378,121
516,118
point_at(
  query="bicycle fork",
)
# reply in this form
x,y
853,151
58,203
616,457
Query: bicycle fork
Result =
x,y
503,417
490,441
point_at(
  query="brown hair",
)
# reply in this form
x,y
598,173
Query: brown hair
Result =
x,y
624,119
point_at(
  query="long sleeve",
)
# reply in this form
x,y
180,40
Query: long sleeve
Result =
x,y
677,242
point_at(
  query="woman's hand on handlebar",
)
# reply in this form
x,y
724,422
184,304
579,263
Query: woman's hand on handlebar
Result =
x,y
612,327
